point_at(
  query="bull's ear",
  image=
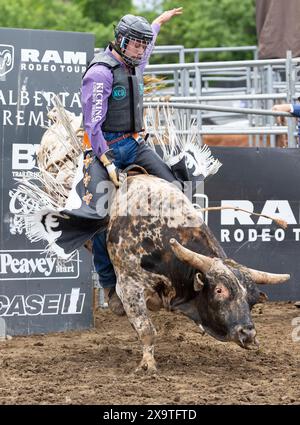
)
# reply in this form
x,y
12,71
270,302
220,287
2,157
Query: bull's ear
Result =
x,y
198,284
262,297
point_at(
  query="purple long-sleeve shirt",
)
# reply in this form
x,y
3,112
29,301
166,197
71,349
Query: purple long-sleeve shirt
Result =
x,y
96,89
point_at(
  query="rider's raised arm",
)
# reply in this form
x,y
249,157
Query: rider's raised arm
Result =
x,y
156,25
147,54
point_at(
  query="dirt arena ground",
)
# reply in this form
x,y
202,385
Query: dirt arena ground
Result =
x,y
96,366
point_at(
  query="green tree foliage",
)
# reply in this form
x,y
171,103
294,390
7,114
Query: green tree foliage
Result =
x,y
204,23
42,14
104,15
104,11
210,23
96,16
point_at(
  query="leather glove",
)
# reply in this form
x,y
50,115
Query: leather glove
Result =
x,y
107,159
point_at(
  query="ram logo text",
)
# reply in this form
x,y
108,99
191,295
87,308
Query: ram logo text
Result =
x,y
53,60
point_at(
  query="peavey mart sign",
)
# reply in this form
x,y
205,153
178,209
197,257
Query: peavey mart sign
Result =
x,y
33,265
264,181
37,291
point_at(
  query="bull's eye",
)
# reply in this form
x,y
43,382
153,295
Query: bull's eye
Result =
x,y
221,293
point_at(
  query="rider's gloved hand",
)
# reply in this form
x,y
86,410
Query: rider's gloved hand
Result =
x,y
107,159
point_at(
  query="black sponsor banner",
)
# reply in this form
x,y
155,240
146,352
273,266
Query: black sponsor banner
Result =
x,y
37,293
265,181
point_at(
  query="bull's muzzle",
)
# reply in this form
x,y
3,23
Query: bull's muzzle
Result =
x,y
245,335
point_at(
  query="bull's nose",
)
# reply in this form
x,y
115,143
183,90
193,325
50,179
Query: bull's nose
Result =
x,y
245,334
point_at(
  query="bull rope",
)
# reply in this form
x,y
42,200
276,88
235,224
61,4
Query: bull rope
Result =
x,y
280,222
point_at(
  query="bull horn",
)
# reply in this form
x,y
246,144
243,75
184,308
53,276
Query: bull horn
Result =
x,y
265,278
200,262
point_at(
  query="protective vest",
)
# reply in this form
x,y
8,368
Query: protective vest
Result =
x,y
125,104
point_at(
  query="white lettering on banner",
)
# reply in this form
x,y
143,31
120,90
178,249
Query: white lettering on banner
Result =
x,y
297,234
29,55
37,120
7,118
10,98
42,305
53,68
71,301
53,60
68,57
97,101
277,209
23,265
17,119
23,156
33,265
251,235
37,98
26,174
51,56
46,60
228,217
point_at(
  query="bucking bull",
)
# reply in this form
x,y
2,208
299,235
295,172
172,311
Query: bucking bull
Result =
x,y
161,248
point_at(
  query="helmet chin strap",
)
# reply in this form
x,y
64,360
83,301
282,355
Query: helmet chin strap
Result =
x,y
129,61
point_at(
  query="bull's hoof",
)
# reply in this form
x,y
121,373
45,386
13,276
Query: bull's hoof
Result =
x,y
154,303
115,305
146,369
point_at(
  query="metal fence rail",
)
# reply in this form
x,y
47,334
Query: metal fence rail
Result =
x,y
223,130
249,85
253,84
195,106
196,52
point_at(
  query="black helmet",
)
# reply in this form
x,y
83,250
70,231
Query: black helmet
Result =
x,y
134,28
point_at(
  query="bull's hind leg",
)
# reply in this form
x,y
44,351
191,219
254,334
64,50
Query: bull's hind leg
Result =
x,y
132,295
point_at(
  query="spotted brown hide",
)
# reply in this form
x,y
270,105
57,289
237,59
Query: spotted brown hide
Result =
x,y
160,246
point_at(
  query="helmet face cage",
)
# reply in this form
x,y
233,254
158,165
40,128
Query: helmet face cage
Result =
x,y
133,35
132,49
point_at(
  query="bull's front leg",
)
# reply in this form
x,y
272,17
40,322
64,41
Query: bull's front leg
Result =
x,y
132,295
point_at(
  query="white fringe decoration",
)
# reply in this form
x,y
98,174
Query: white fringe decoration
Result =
x,y
59,158
60,165
58,153
168,129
